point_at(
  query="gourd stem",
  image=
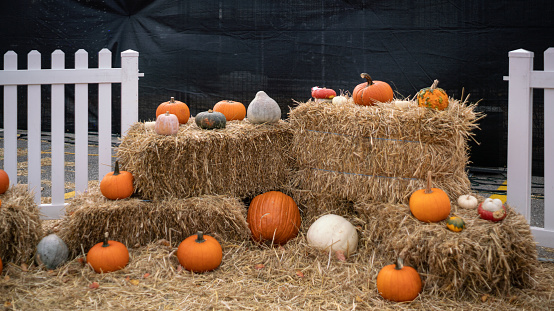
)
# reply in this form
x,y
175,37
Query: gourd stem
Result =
x,y
116,168
428,187
368,78
435,84
172,100
106,244
399,263
167,113
210,111
200,237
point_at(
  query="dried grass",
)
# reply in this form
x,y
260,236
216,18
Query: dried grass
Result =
x,y
242,160
20,225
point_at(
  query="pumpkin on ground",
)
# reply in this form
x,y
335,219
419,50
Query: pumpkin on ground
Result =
x,y
117,184
232,110
200,253
371,92
274,217
178,108
433,97
492,209
334,233
455,224
52,251
398,282
429,204
210,120
263,109
467,201
4,181
166,124
108,256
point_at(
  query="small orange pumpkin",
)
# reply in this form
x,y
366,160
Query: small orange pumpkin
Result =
x,y
433,97
117,184
178,108
4,181
108,256
429,204
367,94
398,282
167,124
200,253
273,216
231,109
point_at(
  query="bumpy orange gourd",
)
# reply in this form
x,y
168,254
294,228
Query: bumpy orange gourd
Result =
x,y
117,184
430,204
178,108
371,92
273,216
200,253
231,109
433,97
4,181
108,256
167,124
398,282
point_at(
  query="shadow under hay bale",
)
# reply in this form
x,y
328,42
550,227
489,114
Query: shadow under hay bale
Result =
x,y
135,222
484,257
242,160
381,152
20,225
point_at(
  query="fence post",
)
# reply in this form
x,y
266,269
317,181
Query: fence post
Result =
x,y
549,145
129,90
520,116
10,120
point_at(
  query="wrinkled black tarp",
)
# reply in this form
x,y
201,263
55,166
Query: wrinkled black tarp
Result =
x,y
201,52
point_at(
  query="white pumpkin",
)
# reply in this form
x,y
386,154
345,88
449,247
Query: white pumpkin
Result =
x,y
340,100
263,109
467,201
334,232
150,125
492,205
51,251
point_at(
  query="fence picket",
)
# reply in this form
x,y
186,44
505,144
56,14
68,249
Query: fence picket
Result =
x,y
549,145
10,120
104,118
33,128
57,132
81,126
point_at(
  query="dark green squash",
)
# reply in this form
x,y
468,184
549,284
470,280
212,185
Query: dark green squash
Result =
x,y
210,120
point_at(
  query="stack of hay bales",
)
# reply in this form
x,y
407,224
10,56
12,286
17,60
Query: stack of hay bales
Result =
x,y
20,225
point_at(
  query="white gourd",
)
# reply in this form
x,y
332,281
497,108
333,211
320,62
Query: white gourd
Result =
x,y
340,100
52,251
334,232
492,205
263,109
467,201
150,125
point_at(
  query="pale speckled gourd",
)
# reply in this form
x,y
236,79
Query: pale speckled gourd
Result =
x,y
52,251
263,109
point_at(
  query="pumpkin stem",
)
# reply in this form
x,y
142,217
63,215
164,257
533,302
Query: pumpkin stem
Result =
x,y
435,84
105,240
399,263
167,113
428,187
200,237
172,100
116,168
210,111
368,78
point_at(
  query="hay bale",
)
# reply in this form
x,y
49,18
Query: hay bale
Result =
x,y
20,225
381,152
136,222
484,257
241,160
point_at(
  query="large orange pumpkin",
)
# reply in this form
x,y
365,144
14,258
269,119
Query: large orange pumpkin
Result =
x,y
370,92
274,217
200,253
4,181
430,204
117,184
433,97
231,109
108,256
178,108
398,282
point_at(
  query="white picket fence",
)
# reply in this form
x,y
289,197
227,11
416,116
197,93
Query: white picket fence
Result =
x,y
34,76
522,80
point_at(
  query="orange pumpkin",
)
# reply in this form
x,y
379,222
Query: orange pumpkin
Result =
x,y
370,92
273,216
167,124
433,97
231,109
4,181
178,108
398,282
108,256
199,253
430,204
117,184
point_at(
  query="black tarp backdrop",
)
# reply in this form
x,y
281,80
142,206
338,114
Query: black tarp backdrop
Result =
x,y
201,52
